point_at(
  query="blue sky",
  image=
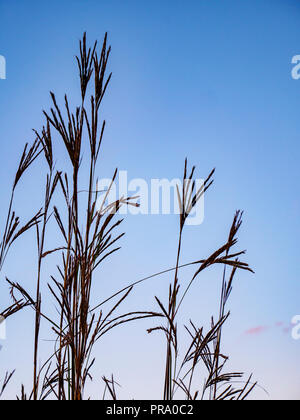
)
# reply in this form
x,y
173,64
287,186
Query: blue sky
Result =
x,y
210,80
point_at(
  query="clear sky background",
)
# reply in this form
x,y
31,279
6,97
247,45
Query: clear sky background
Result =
x,y
210,80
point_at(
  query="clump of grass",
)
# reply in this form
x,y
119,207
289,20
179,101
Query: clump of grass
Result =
x,y
77,328
204,347
89,237
14,230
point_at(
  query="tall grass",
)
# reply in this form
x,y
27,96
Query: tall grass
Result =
x,y
89,237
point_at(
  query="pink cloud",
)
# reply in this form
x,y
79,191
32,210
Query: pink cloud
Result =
x,y
284,327
257,330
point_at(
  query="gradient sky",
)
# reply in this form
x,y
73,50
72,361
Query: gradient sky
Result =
x,y
210,80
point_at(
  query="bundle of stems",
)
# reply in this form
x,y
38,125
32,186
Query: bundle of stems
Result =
x,y
13,230
77,328
205,348
88,226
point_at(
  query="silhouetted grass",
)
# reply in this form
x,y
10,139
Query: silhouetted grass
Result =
x,y
90,237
